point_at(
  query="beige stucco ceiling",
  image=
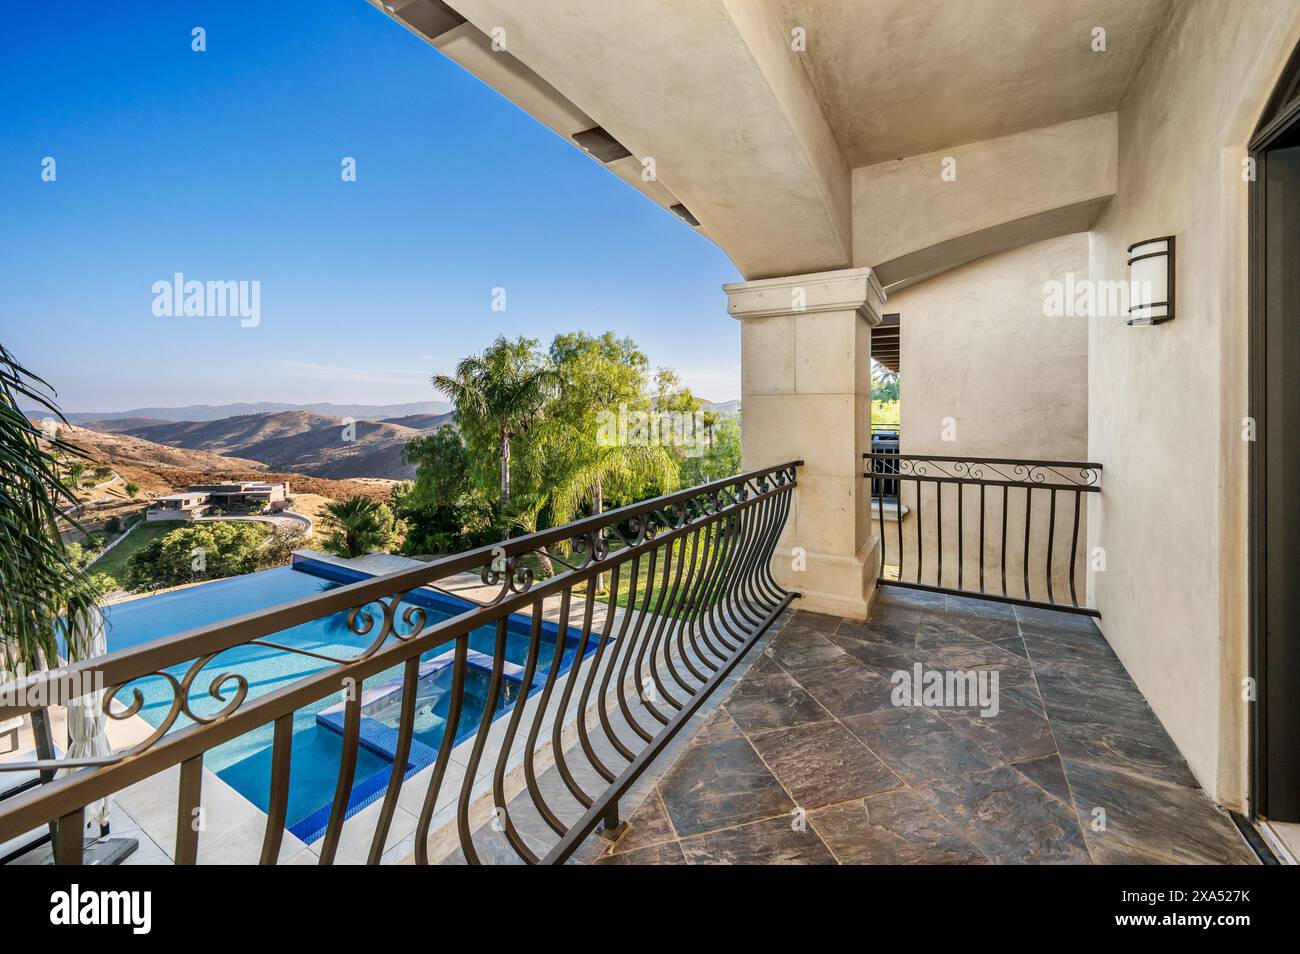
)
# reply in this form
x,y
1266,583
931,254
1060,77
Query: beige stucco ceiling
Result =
x,y
902,77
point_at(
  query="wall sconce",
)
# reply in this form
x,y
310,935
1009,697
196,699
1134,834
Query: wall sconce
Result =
x,y
1151,281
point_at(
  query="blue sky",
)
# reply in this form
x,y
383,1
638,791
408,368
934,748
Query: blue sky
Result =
x,y
225,165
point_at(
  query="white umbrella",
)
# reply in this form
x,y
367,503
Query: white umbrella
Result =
x,y
87,735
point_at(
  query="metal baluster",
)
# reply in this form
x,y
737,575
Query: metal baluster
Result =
x,y
1074,548
347,771
405,730
451,729
189,817
277,804
1051,539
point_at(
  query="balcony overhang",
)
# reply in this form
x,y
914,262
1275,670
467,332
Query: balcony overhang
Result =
x,y
774,127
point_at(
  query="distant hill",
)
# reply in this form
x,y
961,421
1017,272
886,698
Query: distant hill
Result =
x,y
130,449
300,441
215,412
421,422
725,408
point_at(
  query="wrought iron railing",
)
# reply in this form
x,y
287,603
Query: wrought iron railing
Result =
x,y
689,592
1003,529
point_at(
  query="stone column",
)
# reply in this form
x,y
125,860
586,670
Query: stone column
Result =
x,y
806,395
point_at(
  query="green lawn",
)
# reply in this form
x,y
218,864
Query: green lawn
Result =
x,y
114,562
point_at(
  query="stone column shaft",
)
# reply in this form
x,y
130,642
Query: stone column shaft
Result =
x,y
806,395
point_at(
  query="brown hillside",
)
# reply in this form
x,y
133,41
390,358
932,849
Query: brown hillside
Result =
x,y
127,449
298,441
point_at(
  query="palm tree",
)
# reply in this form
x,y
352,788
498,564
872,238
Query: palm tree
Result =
x,y
44,596
710,418
76,471
42,593
504,389
358,526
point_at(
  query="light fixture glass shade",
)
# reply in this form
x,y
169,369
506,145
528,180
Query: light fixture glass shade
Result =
x,y
1151,281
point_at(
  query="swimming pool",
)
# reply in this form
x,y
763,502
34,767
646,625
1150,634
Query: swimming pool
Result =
x,y
245,763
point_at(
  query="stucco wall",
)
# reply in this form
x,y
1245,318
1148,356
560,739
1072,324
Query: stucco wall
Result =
x,y
1167,401
977,348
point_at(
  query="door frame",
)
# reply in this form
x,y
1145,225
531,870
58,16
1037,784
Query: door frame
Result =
x,y
1280,117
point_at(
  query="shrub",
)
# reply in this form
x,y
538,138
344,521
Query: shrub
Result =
x,y
204,551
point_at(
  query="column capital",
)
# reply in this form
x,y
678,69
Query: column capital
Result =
x,y
846,289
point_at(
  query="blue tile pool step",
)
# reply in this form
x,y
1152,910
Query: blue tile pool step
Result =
x,y
381,739
380,703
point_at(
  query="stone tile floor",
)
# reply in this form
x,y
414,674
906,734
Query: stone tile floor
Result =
x,y
808,760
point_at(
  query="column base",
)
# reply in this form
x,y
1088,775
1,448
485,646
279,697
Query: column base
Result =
x,y
834,585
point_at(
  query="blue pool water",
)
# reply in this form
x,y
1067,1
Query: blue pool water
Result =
x,y
245,763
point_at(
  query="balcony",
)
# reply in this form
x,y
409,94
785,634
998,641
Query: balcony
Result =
x,y
690,696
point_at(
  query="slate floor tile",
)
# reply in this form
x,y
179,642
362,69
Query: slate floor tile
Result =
x,y
898,634
1175,820
884,658
649,825
823,763
668,853
718,785
847,688
768,698
775,841
1047,774
972,606
1013,733
814,718
793,650
1049,620
1007,817
938,631
895,828
918,745
817,622
718,727
1012,670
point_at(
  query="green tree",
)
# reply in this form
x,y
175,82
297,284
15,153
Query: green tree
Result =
x,y
358,526
712,418
721,459
132,489
591,449
504,391
76,473
884,383
203,551
442,470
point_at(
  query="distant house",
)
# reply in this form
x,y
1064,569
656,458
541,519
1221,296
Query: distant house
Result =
x,y
202,499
